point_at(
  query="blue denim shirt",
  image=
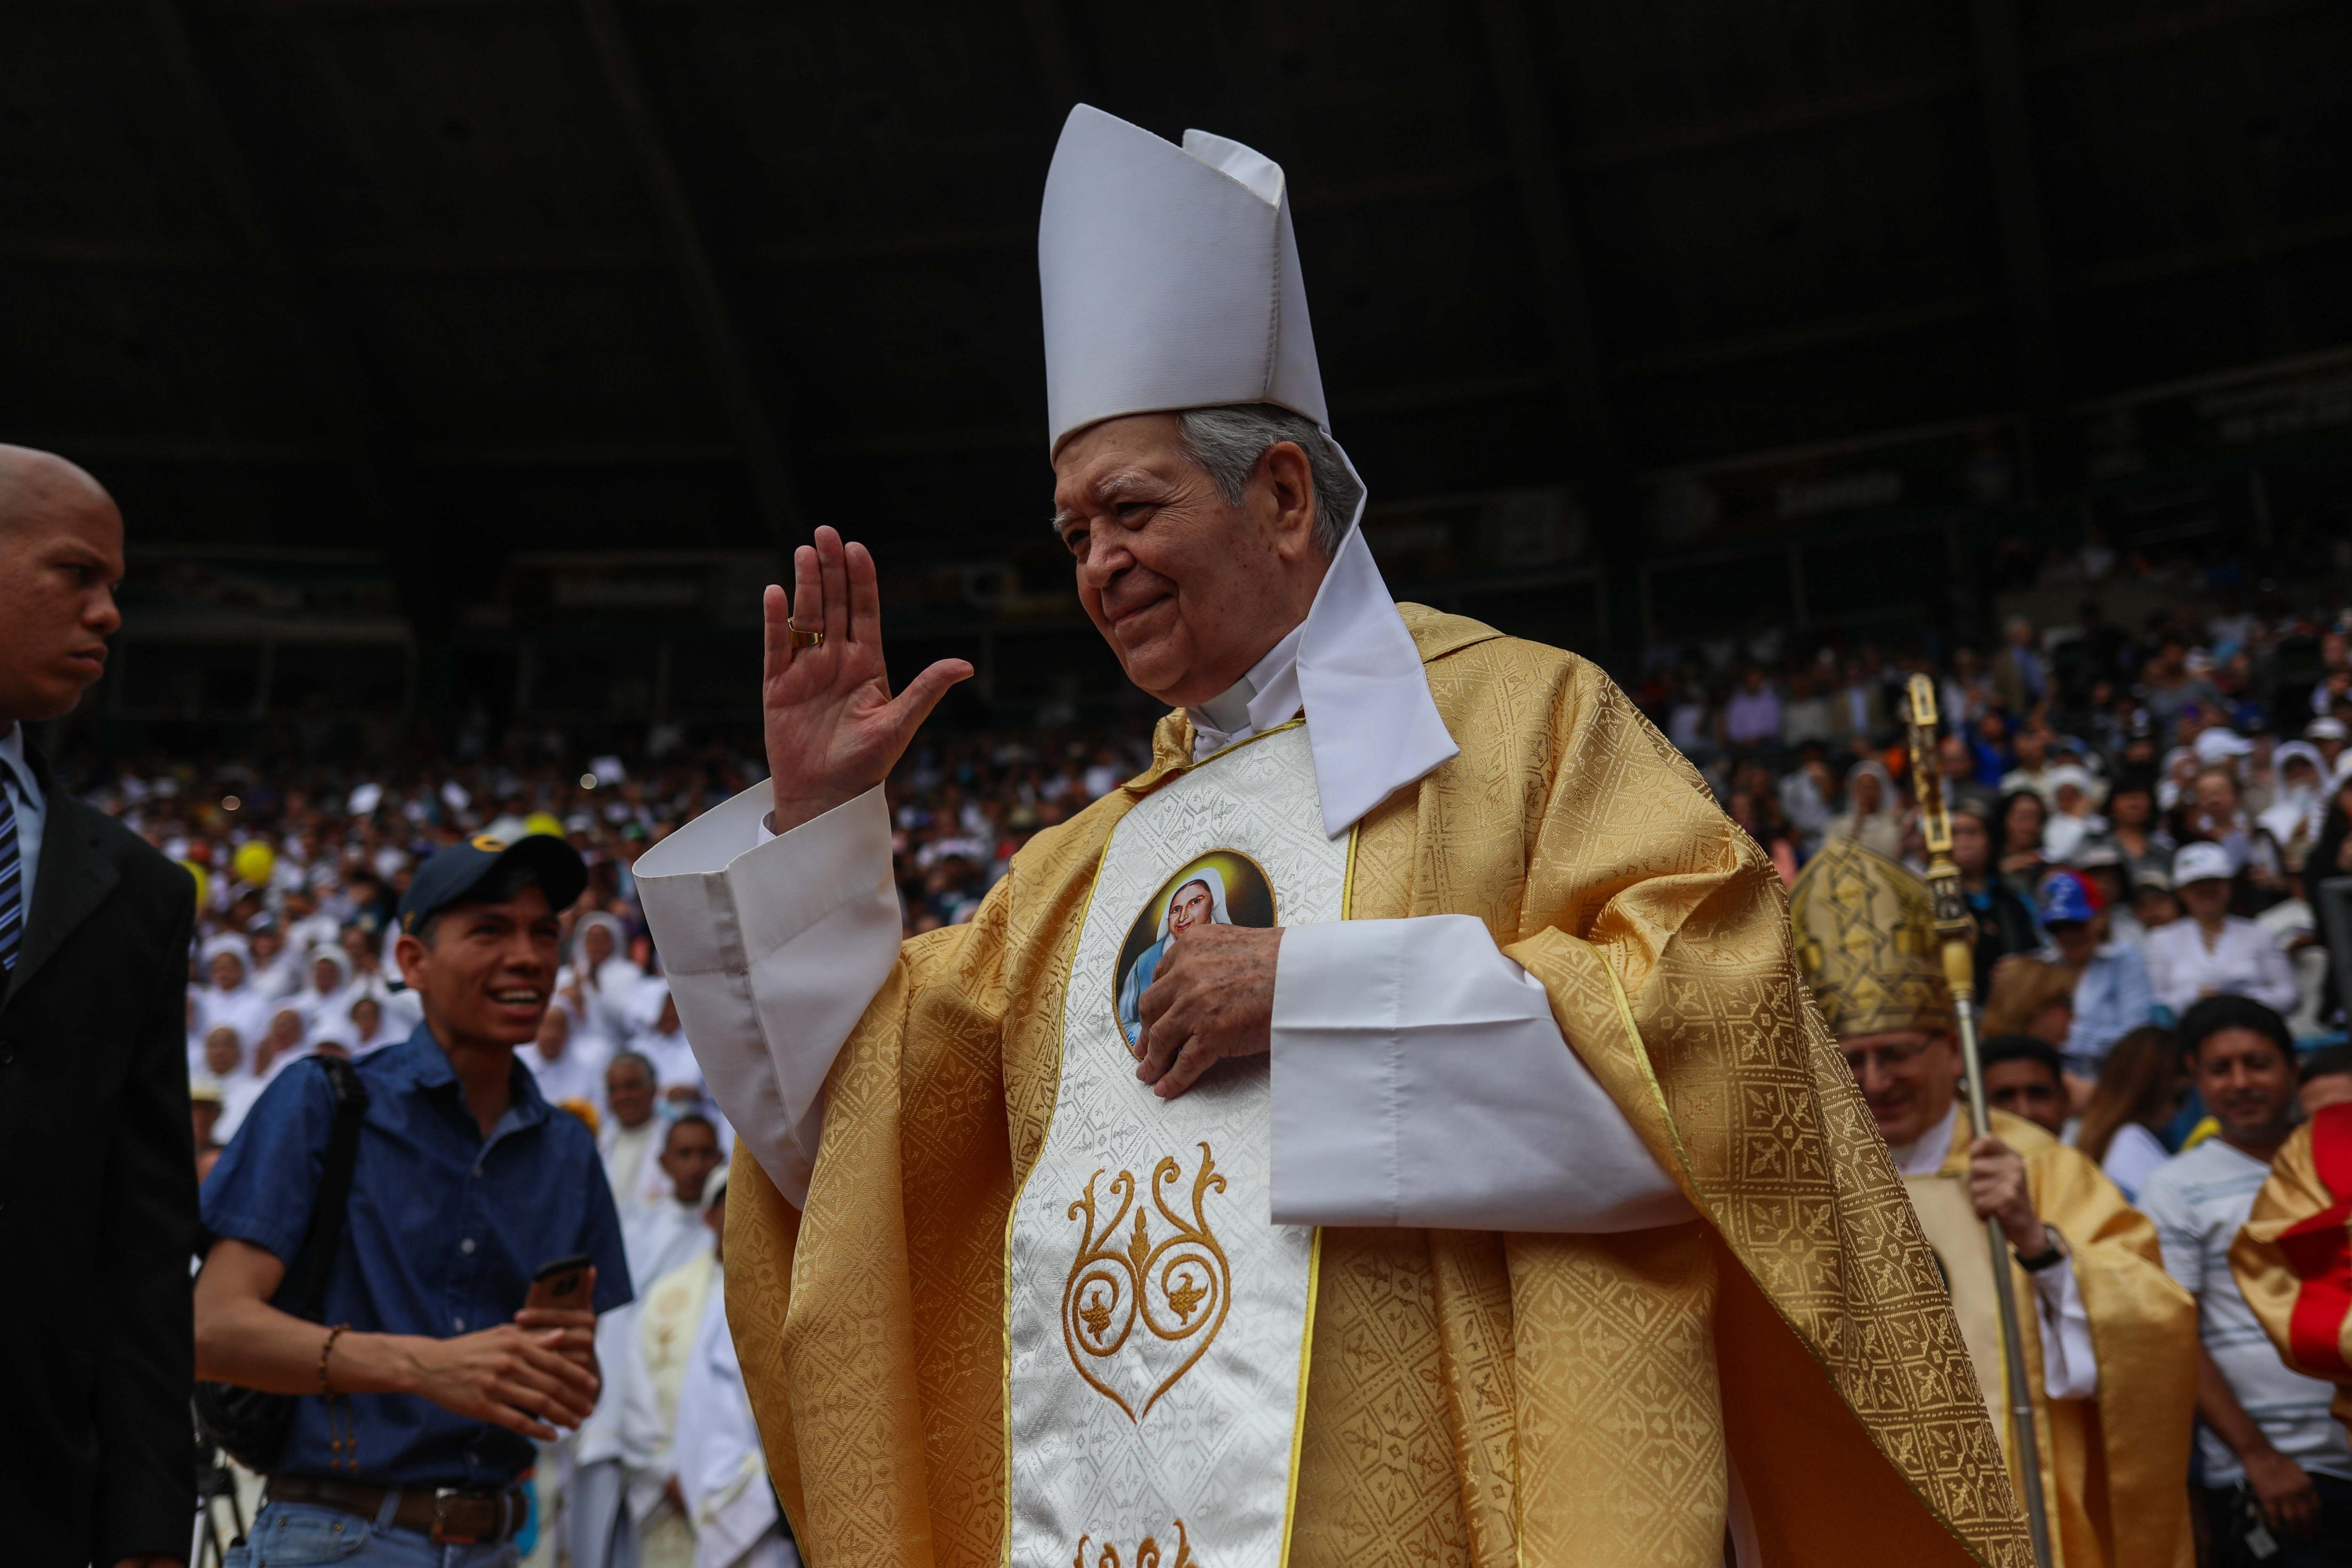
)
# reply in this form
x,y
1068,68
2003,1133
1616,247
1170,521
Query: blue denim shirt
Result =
x,y
442,1235
2112,996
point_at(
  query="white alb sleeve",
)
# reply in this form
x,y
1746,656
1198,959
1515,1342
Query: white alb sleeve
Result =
x,y
2070,1368
1421,1080
774,953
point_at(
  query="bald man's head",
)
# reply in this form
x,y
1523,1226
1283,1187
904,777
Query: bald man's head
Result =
x,y
60,558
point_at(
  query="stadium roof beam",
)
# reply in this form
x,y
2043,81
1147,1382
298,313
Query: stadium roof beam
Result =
x,y
1560,263
374,425
1056,53
380,450
723,354
1596,443
2025,253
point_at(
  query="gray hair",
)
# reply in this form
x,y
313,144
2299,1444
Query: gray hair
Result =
x,y
1227,443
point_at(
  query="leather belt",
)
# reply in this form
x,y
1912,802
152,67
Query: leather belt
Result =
x,y
448,1514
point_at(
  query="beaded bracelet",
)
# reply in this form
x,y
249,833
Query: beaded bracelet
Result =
x,y
342,1435
326,1389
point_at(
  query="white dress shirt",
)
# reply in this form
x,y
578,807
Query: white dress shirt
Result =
x,y
2244,961
32,814
2070,1370
1419,1076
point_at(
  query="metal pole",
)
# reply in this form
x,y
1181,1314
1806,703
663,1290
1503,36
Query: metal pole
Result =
x,y
1957,931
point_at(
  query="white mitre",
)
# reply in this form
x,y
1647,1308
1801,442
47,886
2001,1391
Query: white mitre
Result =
x,y
1171,281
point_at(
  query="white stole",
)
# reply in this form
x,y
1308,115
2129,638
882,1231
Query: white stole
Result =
x,y
1158,1320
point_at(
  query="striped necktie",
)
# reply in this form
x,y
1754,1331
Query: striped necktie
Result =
x,y
12,884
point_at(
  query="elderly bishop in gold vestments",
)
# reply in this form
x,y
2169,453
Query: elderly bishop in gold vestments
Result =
x,y
1471,1181
2110,1341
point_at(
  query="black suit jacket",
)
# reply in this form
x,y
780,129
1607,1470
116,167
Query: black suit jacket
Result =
x,y
98,1202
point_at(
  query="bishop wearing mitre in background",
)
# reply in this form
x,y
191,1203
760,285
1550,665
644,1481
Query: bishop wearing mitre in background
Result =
x,y
1475,1182
2110,1340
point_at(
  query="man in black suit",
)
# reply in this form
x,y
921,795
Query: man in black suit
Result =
x,y
97,1188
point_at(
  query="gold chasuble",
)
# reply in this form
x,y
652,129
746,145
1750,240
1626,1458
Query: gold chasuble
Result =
x,y
2110,1466
1468,1398
2293,1260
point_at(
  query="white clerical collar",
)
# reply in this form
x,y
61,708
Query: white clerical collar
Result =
x,y
1926,1156
1372,722
1253,704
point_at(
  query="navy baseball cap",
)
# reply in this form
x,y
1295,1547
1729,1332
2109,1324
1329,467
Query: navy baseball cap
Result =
x,y
2063,902
448,874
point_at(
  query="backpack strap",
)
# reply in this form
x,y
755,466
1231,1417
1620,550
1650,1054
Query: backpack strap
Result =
x,y
304,1293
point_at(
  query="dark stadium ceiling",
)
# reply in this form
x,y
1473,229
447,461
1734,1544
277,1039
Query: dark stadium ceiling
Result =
x,y
457,277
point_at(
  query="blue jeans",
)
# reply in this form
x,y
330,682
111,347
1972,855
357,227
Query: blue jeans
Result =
x,y
304,1535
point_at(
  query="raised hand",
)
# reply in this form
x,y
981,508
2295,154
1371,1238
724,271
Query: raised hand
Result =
x,y
833,730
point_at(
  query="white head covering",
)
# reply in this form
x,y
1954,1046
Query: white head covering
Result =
x,y
1871,767
2218,746
2071,774
1208,877
2200,862
612,929
2299,750
1171,281
333,955
228,941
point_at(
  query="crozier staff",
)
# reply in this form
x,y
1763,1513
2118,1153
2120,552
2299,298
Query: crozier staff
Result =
x,y
1555,951
2107,1340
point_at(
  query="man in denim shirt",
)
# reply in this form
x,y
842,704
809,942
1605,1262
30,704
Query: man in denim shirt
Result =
x,y
424,1386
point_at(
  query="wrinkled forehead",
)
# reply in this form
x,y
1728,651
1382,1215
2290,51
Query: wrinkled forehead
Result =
x,y
1096,465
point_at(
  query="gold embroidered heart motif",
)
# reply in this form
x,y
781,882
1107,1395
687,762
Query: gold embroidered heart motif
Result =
x,y
1177,1285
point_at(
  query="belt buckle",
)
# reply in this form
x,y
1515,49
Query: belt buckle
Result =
x,y
441,1533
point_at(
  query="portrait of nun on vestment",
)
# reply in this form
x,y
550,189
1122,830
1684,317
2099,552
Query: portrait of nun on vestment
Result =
x,y
1222,887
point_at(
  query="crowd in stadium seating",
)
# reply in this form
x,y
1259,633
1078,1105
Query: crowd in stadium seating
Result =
x,y
2142,820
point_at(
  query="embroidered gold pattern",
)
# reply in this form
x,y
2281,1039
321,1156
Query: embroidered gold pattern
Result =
x,y
1147,1552
1178,1287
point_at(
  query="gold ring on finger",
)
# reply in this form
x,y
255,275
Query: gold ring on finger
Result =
x,y
803,639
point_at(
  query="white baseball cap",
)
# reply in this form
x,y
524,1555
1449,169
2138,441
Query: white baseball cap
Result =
x,y
2217,745
2200,863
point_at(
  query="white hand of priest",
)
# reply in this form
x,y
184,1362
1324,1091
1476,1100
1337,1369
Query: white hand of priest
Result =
x,y
1212,996
833,730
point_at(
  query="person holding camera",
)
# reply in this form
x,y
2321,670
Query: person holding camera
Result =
x,y
422,1387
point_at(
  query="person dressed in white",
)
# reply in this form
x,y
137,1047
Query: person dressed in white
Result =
x,y
661,1040
2215,952
2075,793
722,1474
1212,525
233,998
562,1069
604,1505
327,990
371,1031
647,1390
224,1069
598,987
631,1136
277,971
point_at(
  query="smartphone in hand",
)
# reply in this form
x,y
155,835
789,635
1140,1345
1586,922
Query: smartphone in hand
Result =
x,y
561,1285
